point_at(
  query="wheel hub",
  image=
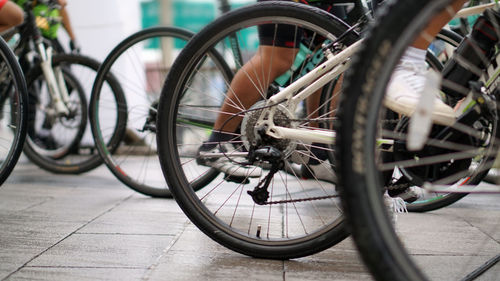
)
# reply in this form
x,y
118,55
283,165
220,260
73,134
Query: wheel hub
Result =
x,y
251,137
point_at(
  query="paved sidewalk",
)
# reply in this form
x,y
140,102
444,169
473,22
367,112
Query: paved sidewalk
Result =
x,y
91,227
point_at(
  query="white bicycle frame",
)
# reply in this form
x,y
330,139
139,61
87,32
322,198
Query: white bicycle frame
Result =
x,y
317,78
320,76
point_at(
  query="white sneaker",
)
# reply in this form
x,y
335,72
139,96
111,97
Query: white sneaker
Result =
x,y
404,91
409,195
322,171
230,167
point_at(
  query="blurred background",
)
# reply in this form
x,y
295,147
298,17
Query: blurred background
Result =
x,y
101,25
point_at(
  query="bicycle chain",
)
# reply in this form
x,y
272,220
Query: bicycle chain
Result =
x,y
261,190
300,200
392,187
393,121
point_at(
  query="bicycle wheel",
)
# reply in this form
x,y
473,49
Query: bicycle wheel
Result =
x,y
13,111
456,161
140,64
63,144
300,216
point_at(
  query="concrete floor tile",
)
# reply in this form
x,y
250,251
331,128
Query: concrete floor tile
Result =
x,y
452,268
25,173
340,262
433,234
137,222
193,240
105,250
140,215
344,267
92,227
187,266
78,274
139,202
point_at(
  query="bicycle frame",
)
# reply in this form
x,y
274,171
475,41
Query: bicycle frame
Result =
x,y
320,76
465,12
316,79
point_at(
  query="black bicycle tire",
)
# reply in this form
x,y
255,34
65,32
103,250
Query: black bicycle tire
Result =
x,y
94,160
365,211
166,140
21,123
104,151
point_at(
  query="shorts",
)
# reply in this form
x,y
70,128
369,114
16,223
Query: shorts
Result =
x,y
289,36
2,3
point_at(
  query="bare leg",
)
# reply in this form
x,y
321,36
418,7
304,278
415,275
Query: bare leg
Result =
x,y
10,15
251,82
426,37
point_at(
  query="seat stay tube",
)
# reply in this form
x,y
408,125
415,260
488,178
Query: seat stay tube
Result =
x,y
320,70
318,84
308,135
317,78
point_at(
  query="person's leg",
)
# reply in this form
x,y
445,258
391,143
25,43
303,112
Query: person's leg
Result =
x,y
275,55
66,22
430,32
250,83
10,15
409,77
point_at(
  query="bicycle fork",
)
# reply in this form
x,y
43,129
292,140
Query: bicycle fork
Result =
x,y
55,81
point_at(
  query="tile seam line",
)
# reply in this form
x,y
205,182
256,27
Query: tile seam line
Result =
x,y
481,230
36,204
284,269
150,269
468,222
71,233
83,267
124,234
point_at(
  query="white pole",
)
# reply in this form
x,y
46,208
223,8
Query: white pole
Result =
x,y
166,19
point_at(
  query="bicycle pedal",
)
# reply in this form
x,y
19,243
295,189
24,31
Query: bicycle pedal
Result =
x,y
236,179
